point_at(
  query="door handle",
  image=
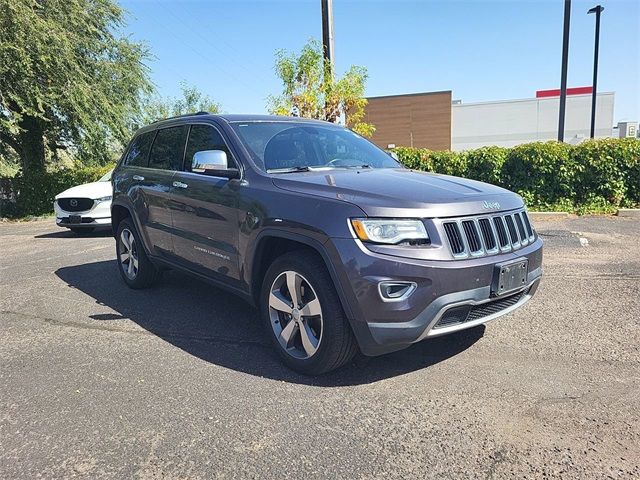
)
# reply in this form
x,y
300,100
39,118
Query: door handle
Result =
x,y
180,185
138,178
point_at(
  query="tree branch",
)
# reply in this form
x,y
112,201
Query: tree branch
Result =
x,y
9,140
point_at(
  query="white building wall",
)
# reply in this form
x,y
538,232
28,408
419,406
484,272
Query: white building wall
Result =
x,y
512,122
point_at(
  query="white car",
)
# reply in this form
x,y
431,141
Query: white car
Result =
x,y
86,207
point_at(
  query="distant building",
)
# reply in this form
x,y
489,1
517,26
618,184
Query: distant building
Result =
x,y
512,122
626,130
414,120
432,120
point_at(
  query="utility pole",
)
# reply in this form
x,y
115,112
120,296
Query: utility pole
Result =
x,y
597,10
327,32
565,62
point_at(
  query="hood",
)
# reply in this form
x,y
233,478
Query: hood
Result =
x,y
402,192
88,190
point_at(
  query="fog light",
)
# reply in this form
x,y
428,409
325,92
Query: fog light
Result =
x,y
393,291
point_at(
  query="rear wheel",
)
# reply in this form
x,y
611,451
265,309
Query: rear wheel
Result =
x,y
135,267
303,315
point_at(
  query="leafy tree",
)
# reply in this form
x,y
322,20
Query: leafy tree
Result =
x,y
313,92
68,81
192,101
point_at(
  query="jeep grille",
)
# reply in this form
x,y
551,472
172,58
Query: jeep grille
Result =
x,y
488,235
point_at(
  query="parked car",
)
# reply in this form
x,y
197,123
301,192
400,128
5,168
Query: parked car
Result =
x,y
86,207
338,245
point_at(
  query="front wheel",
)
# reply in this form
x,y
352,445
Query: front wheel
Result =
x,y
303,315
135,267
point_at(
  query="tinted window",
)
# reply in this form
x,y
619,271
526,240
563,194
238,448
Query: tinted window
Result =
x,y
281,145
168,148
205,137
138,153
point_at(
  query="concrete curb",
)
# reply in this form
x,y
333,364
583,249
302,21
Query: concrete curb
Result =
x,y
628,212
541,216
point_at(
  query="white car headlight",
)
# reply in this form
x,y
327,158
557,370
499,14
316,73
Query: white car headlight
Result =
x,y
391,231
103,199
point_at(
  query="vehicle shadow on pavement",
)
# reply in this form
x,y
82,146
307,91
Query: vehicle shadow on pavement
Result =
x,y
219,328
71,235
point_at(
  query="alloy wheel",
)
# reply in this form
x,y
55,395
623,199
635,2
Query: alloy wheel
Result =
x,y
128,254
296,315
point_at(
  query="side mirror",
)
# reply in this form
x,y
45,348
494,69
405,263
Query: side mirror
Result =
x,y
393,155
213,162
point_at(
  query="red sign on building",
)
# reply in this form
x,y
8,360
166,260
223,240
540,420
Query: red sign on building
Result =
x,y
570,91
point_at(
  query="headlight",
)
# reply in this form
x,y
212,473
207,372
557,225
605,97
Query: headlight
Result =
x,y
389,230
103,199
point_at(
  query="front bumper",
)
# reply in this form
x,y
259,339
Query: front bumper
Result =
x,y
98,216
442,286
426,324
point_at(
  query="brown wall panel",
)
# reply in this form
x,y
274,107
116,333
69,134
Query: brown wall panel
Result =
x,y
419,120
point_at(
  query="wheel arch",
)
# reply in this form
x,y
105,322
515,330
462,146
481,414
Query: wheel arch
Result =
x,y
118,213
271,244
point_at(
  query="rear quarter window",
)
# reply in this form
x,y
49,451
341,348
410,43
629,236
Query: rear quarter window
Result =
x,y
138,153
168,148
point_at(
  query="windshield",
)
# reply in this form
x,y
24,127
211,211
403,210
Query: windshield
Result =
x,y
287,146
106,177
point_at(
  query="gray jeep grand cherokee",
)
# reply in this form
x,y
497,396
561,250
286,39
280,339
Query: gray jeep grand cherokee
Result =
x,y
337,244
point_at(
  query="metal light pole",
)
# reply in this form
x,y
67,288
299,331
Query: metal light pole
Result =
x,y
327,43
327,31
565,62
597,10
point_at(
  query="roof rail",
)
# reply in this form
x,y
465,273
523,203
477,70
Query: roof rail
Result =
x,y
180,116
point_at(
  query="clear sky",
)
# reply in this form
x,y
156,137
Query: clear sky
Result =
x,y
480,50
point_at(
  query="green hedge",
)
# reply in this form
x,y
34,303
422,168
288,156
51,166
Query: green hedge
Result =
x,y
594,176
33,194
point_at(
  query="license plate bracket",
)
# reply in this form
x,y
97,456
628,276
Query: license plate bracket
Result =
x,y
75,219
510,276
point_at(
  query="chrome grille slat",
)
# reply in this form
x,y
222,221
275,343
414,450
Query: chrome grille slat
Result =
x,y
488,236
527,224
483,235
511,229
473,239
501,229
524,238
455,238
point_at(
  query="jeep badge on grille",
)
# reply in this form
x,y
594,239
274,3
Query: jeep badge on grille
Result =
x,y
491,205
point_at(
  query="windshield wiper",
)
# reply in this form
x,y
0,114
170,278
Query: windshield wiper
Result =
x,y
299,168
364,165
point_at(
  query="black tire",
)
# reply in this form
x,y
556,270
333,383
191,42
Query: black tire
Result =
x,y
81,230
337,344
146,272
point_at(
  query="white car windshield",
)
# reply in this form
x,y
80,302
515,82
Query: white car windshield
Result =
x,y
106,177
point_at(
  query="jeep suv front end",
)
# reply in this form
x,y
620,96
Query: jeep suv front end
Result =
x,y
476,268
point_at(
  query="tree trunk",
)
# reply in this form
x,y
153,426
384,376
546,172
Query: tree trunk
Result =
x,y
32,152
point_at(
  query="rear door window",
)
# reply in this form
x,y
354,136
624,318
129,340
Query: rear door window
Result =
x,y
205,137
138,154
168,148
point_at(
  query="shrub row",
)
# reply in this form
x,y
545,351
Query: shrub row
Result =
x,y
594,176
33,193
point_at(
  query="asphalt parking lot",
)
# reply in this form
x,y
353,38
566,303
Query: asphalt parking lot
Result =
x,y
179,381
